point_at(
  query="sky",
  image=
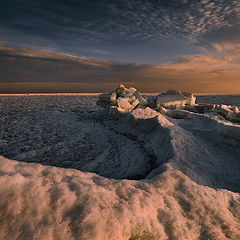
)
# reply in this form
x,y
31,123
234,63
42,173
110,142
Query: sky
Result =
x,y
93,45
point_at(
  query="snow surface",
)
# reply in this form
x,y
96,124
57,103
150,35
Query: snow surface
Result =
x,y
145,176
220,99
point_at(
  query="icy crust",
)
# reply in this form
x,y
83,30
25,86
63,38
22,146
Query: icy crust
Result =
x,y
205,149
42,202
188,165
73,141
138,145
69,132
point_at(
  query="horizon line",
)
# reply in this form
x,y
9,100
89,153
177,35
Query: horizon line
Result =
x,y
98,93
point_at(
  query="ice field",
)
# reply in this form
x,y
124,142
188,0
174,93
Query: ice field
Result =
x,y
69,171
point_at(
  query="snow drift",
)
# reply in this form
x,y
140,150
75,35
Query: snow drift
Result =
x,y
40,202
153,177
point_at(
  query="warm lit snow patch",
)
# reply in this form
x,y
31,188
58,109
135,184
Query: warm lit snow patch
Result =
x,y
40,202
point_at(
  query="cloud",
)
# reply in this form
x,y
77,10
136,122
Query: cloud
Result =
x,y
34,66
102,20
25,69
136,30
44,55
100,52
221,61
200,63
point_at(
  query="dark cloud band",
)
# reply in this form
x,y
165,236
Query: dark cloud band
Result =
x,y
32,70
117,19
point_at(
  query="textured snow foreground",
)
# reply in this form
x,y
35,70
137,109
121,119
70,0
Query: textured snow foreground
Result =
x,y
186,173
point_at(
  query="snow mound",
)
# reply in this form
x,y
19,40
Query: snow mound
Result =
x,y
184,169
137,145
200,152
41,202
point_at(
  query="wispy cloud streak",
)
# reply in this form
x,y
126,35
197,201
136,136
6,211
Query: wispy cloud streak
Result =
x,y
38,70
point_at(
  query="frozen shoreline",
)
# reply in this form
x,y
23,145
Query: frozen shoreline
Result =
x,y
187,170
